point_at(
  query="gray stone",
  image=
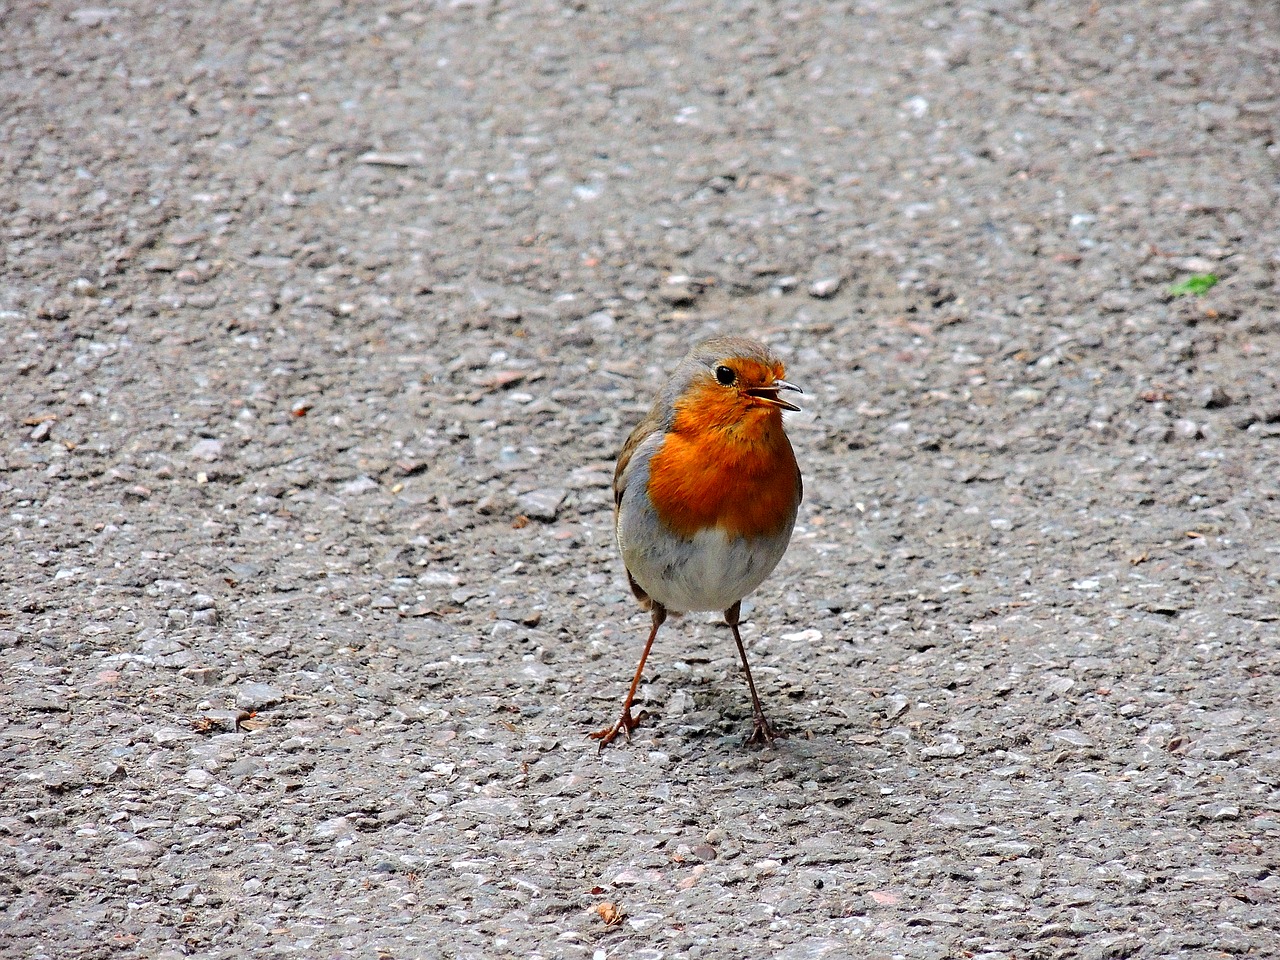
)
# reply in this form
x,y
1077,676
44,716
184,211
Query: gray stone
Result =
x,y
358,486
257,696
541,504
1214,397
207,450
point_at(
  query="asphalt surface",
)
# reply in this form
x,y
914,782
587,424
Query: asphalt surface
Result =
x,y
321,325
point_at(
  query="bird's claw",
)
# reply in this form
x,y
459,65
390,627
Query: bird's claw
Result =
x,y
626,723
762,735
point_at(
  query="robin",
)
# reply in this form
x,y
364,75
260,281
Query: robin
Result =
x,y
705,496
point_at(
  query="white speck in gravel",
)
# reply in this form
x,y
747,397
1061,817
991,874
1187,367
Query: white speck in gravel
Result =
x,y
918,107
826,287
207,450
378,158
678,704
1186,429
631,876
803,636
1073,737
171,736
943,751
333,828
359,485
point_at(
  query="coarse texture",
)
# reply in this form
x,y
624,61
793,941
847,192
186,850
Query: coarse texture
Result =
x,y
321,325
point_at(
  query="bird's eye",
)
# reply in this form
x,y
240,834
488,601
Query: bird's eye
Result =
x,y
725,376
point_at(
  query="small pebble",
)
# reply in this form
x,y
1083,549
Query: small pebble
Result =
x,y
257,696
541,504
137,852
207,450
678,292
109,770
942,751
495,504
803,636
171,736
222,720
826,287
359,485
1214,398
895,706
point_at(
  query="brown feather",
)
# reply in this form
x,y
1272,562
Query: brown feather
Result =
x,y
643,430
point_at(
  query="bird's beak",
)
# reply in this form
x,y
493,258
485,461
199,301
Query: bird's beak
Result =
x,y
770,396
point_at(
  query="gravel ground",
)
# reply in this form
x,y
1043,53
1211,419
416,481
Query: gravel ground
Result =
x,y
322,324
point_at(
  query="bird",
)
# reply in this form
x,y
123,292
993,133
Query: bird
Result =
x,y
706,492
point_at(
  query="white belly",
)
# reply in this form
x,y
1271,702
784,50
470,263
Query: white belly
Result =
x,y
710,571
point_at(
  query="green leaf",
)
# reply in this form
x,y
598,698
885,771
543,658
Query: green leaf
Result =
x,y
1194,285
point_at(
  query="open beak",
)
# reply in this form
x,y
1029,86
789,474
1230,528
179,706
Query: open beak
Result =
x,y
770,396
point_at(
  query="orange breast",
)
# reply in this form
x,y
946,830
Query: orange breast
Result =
x,y
738,474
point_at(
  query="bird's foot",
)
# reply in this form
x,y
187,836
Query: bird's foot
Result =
x,y
762,735
626,723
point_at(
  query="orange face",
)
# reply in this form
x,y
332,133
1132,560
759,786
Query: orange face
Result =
x,y
739,395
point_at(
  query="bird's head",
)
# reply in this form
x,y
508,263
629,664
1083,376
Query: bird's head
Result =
x,y
731,381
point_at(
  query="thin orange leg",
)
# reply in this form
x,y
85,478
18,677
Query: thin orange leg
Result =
x,y
761,732
626,723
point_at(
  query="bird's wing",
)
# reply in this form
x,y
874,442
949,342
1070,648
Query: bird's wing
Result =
x,y
646,601
643,431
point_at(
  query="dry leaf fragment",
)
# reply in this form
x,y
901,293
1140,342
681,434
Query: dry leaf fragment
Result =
x,y
610,913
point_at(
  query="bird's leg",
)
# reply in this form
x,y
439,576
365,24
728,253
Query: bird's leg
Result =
x,y
626,723
761,732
